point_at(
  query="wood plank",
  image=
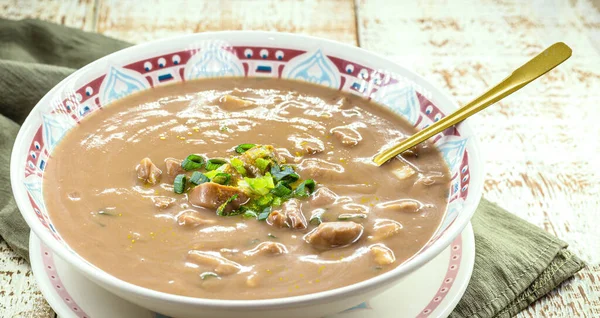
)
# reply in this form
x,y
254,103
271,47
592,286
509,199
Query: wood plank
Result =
x,y
19,294
155,19
76,14
535,163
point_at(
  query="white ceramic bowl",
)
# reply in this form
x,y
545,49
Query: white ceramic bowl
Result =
x,y
242,53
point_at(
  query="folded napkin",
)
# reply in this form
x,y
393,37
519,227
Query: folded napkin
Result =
x,y
515,263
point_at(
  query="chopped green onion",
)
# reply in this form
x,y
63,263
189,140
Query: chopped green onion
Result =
x,y
179,183
287,174
192,162
277,201
103,212
238,165
271,235
211,174
264,214
264,200
305,188
316,217
212,164
262,164
243,148
221,178
260,185
249,214
198,178
258,152
207,275
348,216
281,189
221,209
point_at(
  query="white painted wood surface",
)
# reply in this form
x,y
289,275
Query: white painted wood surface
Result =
x,y
541,145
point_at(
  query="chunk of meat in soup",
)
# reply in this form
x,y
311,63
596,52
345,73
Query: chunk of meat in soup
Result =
x,y
173,168
191,218
384,229
290,216
267,249
216,263
319,169
212,195
334,234
323,197
230,102
163,202
278,219
382,255
148,171
402,205
348,136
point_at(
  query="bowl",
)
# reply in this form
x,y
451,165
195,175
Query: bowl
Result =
x,y
238,54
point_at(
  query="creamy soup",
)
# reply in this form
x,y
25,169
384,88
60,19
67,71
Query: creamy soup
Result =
x,y
243,189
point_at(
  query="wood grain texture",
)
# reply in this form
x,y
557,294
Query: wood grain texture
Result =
x,y
76,14
540,145
130,21
19,295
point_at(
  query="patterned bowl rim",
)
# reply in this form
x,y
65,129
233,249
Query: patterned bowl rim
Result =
x,y
375,60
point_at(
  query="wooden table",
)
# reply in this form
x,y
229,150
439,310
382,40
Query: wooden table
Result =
x,y
541,145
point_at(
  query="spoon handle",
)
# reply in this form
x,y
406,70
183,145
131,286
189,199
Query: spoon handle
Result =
x,y
534,68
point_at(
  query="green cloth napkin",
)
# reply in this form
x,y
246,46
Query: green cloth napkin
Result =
x,y
515,264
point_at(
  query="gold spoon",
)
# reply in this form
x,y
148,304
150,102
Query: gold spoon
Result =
x,y
534,68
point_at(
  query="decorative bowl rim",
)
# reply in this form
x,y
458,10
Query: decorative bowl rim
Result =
x,y
475,188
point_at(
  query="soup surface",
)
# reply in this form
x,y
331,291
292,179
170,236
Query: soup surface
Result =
x,y
124,192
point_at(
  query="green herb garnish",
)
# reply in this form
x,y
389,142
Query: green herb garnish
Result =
x,y
281,190
212,174
317,217
284,173
305,188
262,164
106,213
213,164
179,183
238,165
207,275
259,185
192,162
349,216
277,201
264,214
243,148
265,200
222,178
271,235
221,209
198,178
249,214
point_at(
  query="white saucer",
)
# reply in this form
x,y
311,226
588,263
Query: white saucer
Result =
x,y
431,291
